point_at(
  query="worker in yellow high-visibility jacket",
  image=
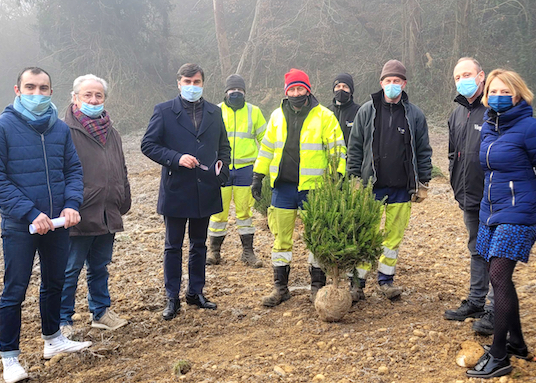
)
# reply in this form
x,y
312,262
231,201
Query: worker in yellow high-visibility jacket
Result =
x,y
299,139
245,126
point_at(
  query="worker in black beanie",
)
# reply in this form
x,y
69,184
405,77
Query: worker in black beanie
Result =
x,y
343,106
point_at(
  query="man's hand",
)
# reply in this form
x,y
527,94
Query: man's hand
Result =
x,y
188,161
43,224
422,193
256,186
72,217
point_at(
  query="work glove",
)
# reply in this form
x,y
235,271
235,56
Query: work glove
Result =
x,y
421,194
256,186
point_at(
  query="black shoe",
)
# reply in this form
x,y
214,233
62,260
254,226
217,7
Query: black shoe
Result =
x,y
485,325
490,367
173,306
519,353
200,301
466,310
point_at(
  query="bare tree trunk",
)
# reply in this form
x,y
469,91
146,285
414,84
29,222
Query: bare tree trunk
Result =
x,y
461,29
252,34
412,30
221,35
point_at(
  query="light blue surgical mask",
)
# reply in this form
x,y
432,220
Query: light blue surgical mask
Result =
x,y
191,93
467,87
35,103
92,111
392,90
500,103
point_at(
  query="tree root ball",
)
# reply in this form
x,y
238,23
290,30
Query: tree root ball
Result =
x,y
332,304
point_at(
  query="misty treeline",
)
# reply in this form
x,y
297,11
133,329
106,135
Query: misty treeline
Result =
x,y
138,45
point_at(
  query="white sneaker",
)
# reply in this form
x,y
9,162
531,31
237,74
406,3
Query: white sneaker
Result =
x,y
62,344
109,321
13,371
67,331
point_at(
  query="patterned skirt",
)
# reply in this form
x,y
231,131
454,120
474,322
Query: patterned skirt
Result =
x,y
505,241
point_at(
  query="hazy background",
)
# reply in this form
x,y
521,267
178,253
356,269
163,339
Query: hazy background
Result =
x,y
138,45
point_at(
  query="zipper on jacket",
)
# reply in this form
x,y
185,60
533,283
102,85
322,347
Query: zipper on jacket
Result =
x,y
195,121
48,176
487,155
513,193
489,198
234,141
414,152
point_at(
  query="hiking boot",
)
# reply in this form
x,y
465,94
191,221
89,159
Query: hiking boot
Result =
x,y
109,321
13,371
466,310
280,293
356,290
490,367
389,290
248,255
61,344
214,250
67,331
485,325
318,280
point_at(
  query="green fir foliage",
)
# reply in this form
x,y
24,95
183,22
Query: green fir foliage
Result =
x,y
266,199
341,220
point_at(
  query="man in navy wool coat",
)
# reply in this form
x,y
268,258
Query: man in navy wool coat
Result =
x,y
187,136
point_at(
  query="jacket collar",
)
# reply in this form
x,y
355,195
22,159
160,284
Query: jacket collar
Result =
x,y
462,100
509,118
184,119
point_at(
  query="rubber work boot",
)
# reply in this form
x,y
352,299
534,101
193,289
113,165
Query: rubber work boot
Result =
x,y
318,280
356,290
248,255
280,292
214,254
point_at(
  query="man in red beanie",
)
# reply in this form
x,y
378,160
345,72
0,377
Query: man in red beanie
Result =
x,y
389,147
293,153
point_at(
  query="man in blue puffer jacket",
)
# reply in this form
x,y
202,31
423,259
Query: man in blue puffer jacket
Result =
x,y
40,179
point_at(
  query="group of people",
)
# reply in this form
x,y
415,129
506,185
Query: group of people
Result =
x,y
72,169
212,154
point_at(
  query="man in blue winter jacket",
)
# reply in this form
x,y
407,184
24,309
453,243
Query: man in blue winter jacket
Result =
x,y
40,179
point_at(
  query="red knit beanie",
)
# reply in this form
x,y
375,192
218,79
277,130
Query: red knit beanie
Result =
x,y
296,77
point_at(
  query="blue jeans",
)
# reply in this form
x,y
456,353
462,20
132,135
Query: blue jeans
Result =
x,y
175,230
19,252
96,253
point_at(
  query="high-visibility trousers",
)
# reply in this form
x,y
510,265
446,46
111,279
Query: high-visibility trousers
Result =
x,y
396,221
286,199
238,189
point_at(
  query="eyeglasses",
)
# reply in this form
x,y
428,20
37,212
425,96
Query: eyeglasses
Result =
x,y
205,167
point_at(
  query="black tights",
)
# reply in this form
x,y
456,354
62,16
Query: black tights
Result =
x,y
507,320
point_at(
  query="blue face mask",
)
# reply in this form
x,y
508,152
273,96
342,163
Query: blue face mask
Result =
x,y
467,87
191,93
392,90
92,111
35,103
500,103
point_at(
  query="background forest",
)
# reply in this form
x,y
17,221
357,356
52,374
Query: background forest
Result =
x,y
138,45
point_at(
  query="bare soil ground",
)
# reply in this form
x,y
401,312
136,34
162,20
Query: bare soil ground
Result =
x,y
378,341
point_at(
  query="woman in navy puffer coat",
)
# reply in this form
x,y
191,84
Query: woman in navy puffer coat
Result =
x,y
508,209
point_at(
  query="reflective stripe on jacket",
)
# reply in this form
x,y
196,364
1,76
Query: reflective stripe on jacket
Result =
x,y
320,134
245,130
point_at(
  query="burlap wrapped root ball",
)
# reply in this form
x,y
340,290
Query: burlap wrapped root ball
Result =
x,y
332,303
469,354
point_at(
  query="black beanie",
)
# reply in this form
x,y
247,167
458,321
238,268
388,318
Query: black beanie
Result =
x,y
235,81
346,79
